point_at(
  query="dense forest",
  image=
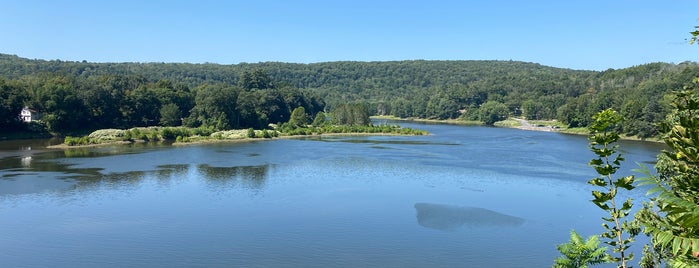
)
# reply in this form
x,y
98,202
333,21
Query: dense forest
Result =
x,y
82,96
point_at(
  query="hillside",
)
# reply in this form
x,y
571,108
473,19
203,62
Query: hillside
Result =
x,y
425,89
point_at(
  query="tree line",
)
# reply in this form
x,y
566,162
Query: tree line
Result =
x,y
244,95
78,104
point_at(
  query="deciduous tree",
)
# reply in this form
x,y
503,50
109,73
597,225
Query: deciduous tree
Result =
x,y
672,216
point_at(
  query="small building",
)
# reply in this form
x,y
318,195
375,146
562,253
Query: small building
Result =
x,y
28,115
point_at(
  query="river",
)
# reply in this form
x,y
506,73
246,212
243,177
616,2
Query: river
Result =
x,y
461,197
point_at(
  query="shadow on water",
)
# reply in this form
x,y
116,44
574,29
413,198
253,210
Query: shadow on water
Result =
x,y
446,217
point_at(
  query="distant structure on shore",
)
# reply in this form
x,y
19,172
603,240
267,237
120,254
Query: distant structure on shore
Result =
x,y
28,115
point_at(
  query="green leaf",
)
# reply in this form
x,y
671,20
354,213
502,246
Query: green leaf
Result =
x,y
663,238
625,182
596,162
676,245
598,182
685,245
627,205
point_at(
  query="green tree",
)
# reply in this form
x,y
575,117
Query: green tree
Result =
x,y
532,110
64,111
579,253
257,79
356,114
170,115
144,107
11,98
248,116
491,112
215,107
360,114
442,106
272,106
320,119
619,233
672,216
299,118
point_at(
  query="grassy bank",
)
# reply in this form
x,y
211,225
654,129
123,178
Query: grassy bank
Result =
x,y
185,135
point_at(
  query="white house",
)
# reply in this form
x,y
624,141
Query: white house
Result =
x,y
28,115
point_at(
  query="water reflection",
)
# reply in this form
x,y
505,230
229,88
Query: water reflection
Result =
x,y
223,178
446,217
31,176
26,161
11,166
169,171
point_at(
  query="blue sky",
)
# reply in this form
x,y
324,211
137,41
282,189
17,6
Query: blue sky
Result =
x,y
592,34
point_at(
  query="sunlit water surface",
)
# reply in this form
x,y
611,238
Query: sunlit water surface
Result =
x,y
460,197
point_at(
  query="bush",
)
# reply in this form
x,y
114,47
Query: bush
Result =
x,y
251,133
172,133
266,134
153,136
203,131
168,133
182,139
128,136
74,141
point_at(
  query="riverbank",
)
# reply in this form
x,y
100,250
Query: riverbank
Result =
x,y
184,136
519,123
555,126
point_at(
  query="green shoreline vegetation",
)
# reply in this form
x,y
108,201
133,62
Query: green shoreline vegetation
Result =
x,y
76,98
185,135
537,125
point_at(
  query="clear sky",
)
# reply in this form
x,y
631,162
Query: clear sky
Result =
x,y
589,34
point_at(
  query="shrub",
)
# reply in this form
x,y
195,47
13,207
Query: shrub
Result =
x,y
172,133
251,133
265,134
128,136
168,133
203,131
73,141
153,136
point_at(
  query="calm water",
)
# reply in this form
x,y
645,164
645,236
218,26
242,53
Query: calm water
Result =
x,y
461,197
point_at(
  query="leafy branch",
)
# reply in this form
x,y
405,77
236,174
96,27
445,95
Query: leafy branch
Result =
x,y
619,233
672,216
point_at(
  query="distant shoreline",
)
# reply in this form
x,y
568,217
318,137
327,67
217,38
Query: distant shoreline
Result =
x,y
521,124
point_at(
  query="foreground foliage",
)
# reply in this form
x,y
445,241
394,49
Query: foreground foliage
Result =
x,y
579,253
619,233
672,216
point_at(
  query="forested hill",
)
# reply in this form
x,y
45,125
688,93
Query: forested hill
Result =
x,y
350,75
481,90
